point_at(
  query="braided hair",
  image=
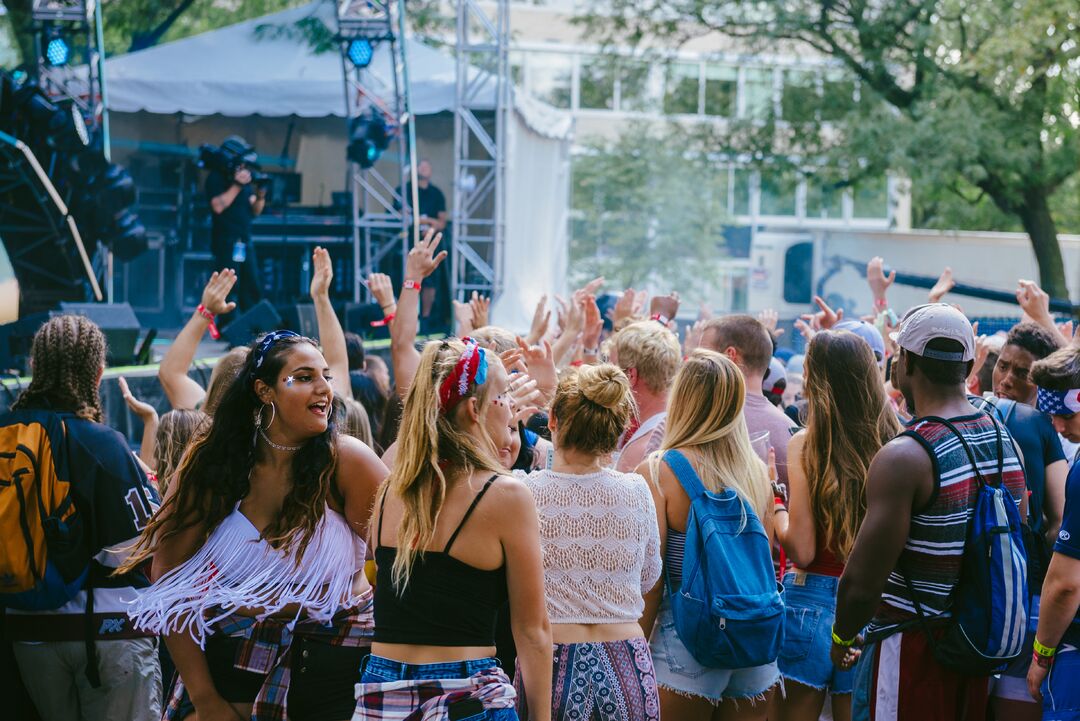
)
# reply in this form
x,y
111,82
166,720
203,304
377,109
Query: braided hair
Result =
x,y
66,360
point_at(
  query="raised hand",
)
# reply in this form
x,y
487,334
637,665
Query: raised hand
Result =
x,y
1034,301
141,409
944,284
875,278
540,363
693,336
463,314
382,290
480,306
825,318
422,259
540,322
769,318
624,307
217,290
594,324
322,273
664,305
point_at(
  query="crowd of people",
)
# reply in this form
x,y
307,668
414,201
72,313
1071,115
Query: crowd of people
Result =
x,y
593,520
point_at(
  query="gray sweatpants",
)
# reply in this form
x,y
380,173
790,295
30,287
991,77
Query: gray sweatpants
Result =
x,y
54,674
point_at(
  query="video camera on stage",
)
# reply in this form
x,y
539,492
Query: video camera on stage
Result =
x,y
233,154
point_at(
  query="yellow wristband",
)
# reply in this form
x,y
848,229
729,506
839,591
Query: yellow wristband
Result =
x,y
841,642
1044,651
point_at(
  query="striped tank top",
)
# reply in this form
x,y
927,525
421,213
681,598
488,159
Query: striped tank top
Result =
x,y
935,546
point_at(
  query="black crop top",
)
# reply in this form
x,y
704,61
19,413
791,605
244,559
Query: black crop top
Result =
x,y
447,602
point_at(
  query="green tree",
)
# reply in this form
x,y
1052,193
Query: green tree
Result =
x,y
959,95
647,213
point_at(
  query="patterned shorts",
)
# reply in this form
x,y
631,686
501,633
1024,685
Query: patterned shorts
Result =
x,y
612,681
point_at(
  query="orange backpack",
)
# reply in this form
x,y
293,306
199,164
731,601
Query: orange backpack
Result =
x,y
44,561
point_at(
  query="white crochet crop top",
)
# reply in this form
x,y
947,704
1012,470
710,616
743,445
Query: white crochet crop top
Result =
x,y
600,543
236,568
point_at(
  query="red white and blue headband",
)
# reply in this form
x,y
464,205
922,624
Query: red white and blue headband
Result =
x,y
471,368
1059,403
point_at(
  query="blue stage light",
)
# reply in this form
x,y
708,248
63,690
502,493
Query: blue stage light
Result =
x,y
57,52
361,52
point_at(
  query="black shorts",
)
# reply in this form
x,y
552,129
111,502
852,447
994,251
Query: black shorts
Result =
x,y
321,685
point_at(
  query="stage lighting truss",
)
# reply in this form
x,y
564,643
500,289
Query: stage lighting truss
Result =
x,y
57,48
39,233
374,124
73,11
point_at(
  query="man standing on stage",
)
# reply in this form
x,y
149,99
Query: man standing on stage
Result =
x,y
233,203
432,206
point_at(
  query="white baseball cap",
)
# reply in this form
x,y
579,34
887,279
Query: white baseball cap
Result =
x,y
924,323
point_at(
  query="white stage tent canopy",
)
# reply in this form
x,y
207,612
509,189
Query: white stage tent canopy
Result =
x,y
240,71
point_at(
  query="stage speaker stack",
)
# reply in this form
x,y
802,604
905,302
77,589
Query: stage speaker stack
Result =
x,y
116,320
263,318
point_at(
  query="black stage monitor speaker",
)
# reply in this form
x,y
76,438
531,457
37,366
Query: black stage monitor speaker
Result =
x,y
263,318
116,320
358,319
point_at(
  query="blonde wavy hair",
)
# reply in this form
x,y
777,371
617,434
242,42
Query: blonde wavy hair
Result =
x,y
705,414
649,348
432,450
849,419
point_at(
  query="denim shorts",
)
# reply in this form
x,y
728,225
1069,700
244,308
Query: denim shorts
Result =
x,y
377,669
679,672
809,612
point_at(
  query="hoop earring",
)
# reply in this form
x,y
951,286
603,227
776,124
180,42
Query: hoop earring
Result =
x,y
259,415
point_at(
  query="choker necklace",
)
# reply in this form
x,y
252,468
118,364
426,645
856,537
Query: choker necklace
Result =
x,y
277,445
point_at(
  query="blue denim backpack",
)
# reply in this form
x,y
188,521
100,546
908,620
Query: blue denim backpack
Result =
x,y
727,609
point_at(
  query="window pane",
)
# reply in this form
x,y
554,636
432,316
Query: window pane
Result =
x,y
549,78
720,88
681,89
758,89
597,89
634,87
799,100
823,200
871,199
741,179
778,192
838,96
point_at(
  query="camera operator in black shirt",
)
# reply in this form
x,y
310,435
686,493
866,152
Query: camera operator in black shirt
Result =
x,y
234,201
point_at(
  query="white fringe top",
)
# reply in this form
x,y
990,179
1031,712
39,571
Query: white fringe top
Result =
x,y
236,568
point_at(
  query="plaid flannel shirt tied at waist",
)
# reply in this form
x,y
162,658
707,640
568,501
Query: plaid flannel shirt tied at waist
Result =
x,y
430,699
265,650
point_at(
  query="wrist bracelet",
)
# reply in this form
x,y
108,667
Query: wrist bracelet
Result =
x,y
411,285
841,642
1042,661
591,351
205,313
1044,651
661,319
385,321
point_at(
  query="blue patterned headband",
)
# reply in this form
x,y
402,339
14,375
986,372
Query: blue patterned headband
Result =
x,y
1059,403
266,344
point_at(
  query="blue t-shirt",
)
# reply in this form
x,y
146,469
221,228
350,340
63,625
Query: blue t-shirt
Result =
x,y
1068,540
1039,442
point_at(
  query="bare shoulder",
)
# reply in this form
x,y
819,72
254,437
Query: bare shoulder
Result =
x,y
796,443
903,461
356,459
353,449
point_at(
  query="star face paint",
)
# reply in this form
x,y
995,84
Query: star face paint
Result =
x,y
288,381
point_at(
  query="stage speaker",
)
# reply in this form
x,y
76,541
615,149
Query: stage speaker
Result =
x,y
116,320
263,318
15,341
358,319
308,320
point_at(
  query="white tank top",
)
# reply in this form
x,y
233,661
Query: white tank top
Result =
x,y
236,568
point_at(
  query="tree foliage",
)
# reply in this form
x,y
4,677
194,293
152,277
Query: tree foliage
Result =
x,y
960,95
648,213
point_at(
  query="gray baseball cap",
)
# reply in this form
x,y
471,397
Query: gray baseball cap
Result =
x,y
923,323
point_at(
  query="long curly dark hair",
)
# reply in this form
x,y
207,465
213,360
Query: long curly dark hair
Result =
x,y
214,473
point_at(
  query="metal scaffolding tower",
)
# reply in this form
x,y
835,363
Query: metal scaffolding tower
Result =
x,y
479,208
380,223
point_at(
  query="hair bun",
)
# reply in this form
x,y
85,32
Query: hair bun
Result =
x,y
604,385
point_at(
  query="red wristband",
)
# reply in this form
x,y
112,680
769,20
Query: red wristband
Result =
x,y
410,285
661,319
202,310
385,321
881,303
1043,661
